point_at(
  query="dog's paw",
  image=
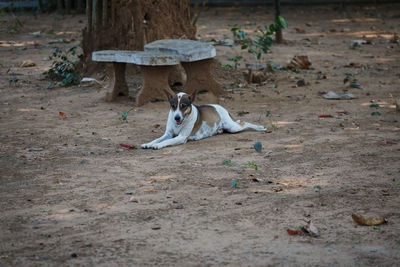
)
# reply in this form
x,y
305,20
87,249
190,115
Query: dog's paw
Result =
x,y
157,146
146,146
261,128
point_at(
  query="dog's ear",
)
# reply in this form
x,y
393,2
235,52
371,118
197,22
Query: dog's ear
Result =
x,y
169,93
192,97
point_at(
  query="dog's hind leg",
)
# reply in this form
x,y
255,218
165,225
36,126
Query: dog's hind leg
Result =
x,y
238,126
231,126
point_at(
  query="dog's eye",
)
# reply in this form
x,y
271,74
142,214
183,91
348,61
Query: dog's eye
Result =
x,y
183,105
173,103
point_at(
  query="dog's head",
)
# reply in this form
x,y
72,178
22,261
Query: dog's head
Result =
x,y
180,105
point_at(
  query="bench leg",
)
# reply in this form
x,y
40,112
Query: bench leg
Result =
x,y
117,85
199,77
155,79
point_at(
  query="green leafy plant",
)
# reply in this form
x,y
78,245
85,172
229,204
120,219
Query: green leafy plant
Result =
x,y
227,66
16,27
2,10
262,40
349,77
252,165
241,167
236,60
238,34
63,68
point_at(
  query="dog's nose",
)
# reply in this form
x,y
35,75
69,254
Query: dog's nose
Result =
x,y
177,118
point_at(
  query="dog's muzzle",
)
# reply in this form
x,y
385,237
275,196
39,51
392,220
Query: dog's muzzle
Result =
x,y
178,120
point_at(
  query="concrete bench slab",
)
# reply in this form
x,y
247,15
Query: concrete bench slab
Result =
x,y
187,50
144,58
155,69
196,58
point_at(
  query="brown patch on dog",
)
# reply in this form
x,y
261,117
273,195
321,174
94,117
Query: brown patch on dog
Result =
x,y
172,98
207,114
187,110
185,104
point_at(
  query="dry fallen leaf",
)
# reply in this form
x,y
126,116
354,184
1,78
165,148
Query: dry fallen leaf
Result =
x,y
27,63
149,190
62,115
293,232
369,221
301,62
158,179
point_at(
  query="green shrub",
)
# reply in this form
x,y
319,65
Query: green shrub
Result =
x,y
63,68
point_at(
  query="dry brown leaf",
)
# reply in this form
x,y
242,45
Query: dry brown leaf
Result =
x,y
293,232
27,63
158,179
369,221
62,115
149,190
301,62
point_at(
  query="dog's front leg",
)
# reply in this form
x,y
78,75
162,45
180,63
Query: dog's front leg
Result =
x,y
180,139
166,136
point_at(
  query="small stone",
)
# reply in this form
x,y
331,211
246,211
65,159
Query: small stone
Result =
x,y
36,149
356,85
258,146
133,199
300,83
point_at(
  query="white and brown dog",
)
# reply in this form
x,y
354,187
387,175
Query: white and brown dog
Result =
x,y
189,122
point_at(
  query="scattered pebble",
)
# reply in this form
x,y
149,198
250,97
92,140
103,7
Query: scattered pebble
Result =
x,y
258,146
36,149
300,83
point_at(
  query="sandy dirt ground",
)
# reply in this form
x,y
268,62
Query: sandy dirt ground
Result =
x,y
71,195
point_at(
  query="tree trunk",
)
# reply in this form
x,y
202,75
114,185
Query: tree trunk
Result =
x,y
278,33
41,9
60,6
68,4
89,15
79,5
95,15
104,20
113,12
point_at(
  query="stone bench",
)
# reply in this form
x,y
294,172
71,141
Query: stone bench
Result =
x,y
155,69
196,58
156,63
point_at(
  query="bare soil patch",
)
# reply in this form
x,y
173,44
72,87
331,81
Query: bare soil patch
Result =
x,y
71,195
